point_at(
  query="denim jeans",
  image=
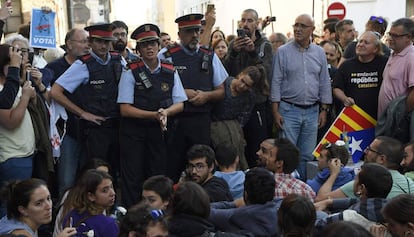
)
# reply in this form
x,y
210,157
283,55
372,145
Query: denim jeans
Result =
x,y
300,126
72,158
15,169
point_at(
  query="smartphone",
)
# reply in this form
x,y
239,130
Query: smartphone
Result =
x,y
241,33
272,19
9,6
210,7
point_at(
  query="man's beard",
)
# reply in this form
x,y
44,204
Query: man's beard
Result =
x,y
119,46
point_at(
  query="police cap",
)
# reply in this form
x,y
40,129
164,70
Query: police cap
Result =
x,y
189,21
146,32
101,31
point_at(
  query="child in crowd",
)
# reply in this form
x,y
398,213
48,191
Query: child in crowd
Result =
x,y
228,160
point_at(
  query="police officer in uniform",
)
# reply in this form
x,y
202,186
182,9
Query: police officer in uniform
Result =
x,y
95,76
202,75
149,92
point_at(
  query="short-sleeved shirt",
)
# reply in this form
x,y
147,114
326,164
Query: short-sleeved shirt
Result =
x,y
127,82
400,185
362,82
78,73
286,184
398,77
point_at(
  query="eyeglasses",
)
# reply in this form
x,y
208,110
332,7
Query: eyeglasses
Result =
x,y
80,41
198,167
300,26
395,36
377,19
368,148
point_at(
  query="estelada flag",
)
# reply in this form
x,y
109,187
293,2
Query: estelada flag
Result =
x,y
354,126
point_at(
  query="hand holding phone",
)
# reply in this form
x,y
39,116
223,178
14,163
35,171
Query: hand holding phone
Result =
x,y
210,7
241,33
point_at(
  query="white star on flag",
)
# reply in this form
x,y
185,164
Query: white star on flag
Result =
x,y
355,145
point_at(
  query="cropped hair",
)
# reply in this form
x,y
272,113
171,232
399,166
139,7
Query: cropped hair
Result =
x,y
344,229
18,193
339,26
392,149
288,153
377,180
410,166
139,218
406,23
226,154
258,75
70,34
400,209
120,24
330,26
191,199
201,151
259,185
335,151
296,216
256,16
161,185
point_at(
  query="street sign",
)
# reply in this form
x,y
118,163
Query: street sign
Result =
x,y
337,9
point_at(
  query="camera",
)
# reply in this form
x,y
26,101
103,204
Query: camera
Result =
x,y
241,33
272,19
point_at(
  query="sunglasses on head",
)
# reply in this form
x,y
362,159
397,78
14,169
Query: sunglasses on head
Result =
x,y
377,19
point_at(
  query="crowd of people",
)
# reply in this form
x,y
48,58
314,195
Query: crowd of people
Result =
x,y
210,135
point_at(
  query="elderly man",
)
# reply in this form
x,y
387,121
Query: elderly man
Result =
x,y
358,80
72,155
399,71
277,39
301,90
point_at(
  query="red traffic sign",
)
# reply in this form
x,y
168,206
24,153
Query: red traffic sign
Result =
x,y
337,10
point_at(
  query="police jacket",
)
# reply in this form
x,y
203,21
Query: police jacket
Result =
x,y
101,91
196,72
152,91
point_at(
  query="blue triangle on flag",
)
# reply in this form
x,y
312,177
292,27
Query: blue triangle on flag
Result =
x,y
359,140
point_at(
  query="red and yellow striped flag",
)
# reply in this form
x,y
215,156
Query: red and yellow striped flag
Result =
x,y
351,119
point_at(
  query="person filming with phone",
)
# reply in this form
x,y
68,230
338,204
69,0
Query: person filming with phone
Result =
x,y
250,48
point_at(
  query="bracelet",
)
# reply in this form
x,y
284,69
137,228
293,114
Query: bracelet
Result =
x,y
43,91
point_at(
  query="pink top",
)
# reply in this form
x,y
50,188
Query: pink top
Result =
x,y
398,77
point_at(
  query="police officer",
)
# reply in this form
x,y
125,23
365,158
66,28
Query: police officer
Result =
x,y
202,75
96,76
149,92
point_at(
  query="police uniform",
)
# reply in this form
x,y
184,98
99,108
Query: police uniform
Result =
x,y
199,70
97,83
143,147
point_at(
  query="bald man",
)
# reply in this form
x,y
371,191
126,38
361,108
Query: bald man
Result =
x,y
301,90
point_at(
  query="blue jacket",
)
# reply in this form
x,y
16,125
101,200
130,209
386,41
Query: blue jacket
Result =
x,y
258,219
344,177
